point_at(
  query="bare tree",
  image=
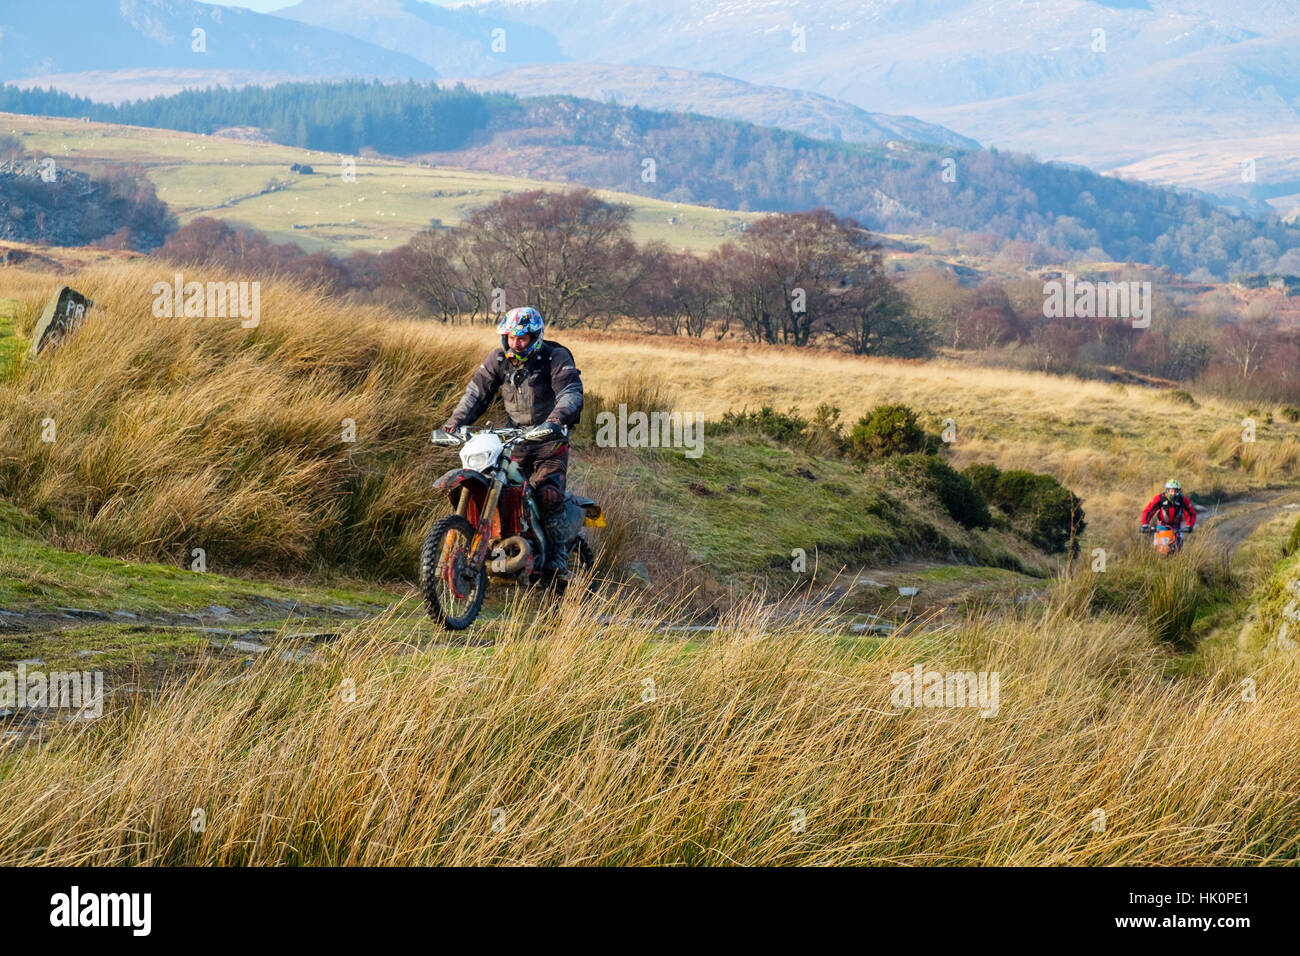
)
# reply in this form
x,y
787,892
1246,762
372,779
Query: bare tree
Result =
x,y
676,292
567,254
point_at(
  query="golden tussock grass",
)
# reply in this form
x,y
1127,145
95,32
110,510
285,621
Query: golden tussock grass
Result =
x,y
570,741
587,734
175,433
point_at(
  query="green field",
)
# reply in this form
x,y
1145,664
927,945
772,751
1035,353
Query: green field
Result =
x,y
384,205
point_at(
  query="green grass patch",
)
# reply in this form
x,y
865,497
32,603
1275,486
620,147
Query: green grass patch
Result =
x,y
747,504
387,202
37,575
12,343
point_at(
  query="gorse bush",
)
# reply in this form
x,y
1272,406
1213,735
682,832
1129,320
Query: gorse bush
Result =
x,y
954,490
782,427
888,430
1045,512
823,434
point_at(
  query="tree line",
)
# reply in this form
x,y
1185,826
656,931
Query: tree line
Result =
x,y
799,279
794,279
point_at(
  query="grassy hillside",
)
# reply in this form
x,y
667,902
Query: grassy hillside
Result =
x,y
595,730
893,187
142,402
1114,445
387,204
172,434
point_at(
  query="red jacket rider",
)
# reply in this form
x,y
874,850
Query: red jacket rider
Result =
x,y
1170,508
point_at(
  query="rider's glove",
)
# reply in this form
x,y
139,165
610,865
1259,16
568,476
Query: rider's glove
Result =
x,y
547,431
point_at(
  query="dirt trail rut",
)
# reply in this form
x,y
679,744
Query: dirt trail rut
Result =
x,y
1233,521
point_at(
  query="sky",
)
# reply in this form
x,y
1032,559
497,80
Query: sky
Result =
x,y
261,6
264,6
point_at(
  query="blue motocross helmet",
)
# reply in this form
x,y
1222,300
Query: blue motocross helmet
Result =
x,y
522,321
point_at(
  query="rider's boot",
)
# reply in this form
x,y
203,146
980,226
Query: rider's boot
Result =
x,y
556,570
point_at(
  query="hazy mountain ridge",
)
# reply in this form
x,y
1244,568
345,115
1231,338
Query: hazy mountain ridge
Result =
x,y
159,34
667,88
452,41
1035,77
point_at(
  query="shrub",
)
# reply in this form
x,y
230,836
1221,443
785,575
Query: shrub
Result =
x,y
985,479
955,491
888,430
1290,413
1182,396
1040,507
823,434
782,427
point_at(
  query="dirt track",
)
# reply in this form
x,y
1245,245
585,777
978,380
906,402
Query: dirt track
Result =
x,y
1233,521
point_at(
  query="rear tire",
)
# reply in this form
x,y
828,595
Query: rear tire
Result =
x,y
453,593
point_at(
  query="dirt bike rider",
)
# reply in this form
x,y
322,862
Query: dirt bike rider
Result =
x,y
539,382
1170,508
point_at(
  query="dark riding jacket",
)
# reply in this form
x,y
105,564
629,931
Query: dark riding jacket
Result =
x,y
548,387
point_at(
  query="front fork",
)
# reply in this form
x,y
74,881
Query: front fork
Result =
x,y
478,547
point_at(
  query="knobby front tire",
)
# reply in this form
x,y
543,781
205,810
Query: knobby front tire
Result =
x,y
452,590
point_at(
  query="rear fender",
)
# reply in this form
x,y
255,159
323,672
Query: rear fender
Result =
x,y
582,512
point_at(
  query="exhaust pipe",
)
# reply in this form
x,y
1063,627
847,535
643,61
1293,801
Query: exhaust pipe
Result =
x,y
515,554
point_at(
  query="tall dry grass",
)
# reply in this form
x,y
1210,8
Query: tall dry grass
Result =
x,y
572,742
1165,593
172,433
175,434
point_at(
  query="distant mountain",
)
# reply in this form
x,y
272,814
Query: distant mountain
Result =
x,y
1101,83
904,55
38,39
1180,91
461,42
667,88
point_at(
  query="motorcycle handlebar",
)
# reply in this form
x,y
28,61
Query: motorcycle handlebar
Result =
x,y
507,435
